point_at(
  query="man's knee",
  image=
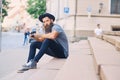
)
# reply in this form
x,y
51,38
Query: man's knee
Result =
x,y
47,41
32,45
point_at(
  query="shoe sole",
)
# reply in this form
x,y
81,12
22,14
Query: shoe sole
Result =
x,y
22,70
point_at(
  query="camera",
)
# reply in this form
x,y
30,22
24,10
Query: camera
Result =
x,y
32,33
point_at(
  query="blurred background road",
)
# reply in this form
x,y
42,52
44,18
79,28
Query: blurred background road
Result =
x,y
13,54
11,40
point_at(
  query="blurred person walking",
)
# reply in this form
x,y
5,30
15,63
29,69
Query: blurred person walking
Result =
x,y
26,36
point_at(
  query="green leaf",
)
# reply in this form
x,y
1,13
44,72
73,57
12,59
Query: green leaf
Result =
x,y
36,7
4,8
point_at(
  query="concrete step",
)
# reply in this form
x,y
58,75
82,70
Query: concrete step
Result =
x,y
79,65
104,54
49,70
113,33
115,40
110,72
80,47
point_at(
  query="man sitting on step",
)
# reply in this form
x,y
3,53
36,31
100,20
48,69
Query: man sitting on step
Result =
x,y
53,42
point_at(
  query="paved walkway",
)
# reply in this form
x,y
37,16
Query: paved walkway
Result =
x,y
13,53
11,40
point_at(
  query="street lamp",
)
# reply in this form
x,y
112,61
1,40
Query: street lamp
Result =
x,y
100,7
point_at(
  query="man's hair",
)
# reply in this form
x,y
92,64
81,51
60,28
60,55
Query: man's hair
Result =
x,y
98,24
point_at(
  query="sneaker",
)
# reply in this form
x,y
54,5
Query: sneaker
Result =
x,y
28,64
33,65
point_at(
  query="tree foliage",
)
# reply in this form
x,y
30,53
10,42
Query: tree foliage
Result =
x,y
4,8
36,7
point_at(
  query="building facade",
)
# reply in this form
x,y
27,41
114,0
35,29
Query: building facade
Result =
x,y
80,17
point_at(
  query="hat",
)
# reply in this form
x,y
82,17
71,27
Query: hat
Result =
x,y
46,15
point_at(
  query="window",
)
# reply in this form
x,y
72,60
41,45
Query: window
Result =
x,y
115,6
115,27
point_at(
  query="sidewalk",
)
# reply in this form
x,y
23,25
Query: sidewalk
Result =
x,y
10,60
11,40
13,53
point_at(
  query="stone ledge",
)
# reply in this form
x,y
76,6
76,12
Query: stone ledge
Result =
x,y
115,40
77,67
103,53
113,33
110,72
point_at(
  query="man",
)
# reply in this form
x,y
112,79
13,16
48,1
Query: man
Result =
x,y
98,31
53,42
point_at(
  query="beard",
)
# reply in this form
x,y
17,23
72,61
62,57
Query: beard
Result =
x,y
48,27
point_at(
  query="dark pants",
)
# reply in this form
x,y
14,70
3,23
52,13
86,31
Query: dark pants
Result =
x,y
48,46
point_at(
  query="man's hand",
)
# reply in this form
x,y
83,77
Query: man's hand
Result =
x,y
38,37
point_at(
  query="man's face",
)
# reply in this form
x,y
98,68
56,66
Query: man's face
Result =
x,y
47,22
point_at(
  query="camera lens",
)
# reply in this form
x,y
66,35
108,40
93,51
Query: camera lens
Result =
x,y
32,35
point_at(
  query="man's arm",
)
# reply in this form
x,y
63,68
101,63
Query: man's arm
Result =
x,y
51,35
41,37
